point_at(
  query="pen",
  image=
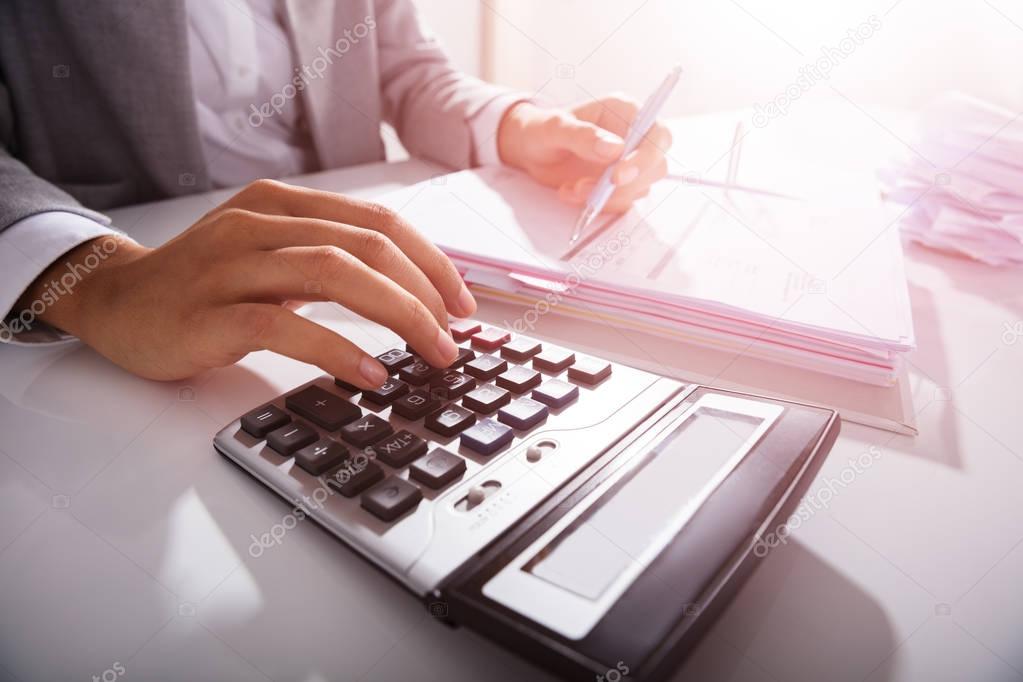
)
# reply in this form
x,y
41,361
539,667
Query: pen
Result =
x,y
644,120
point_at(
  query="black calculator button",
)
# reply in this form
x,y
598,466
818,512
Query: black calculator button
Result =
x,y
354,475
389,391
461,330
321,456
523,413
395,359
451,385
399,449
519,379
490,338
487,436
556,393
366,431
437,469
391,498
260,422
589,371
450,421
417,372
520,349
322,408
415,405
553,360
291,437
486,399
464,356
351,388
486,367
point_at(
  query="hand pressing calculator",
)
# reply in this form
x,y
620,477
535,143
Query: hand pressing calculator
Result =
x,y
583,513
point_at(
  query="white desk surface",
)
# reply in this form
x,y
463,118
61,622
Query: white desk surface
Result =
x,y
124,537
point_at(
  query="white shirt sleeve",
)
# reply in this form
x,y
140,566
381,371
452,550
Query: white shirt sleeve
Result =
x,y
27,248
484,126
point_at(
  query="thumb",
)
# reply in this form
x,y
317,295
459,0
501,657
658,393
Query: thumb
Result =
x,y
587,141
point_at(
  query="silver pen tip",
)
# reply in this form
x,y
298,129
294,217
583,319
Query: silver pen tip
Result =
x,y
581,224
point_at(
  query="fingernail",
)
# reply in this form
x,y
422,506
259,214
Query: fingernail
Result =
x,y
446,346
372,371
627,175
466,302
608,146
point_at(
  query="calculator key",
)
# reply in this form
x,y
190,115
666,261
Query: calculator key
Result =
x,y
451,385
490,338
322,408
486,367
415,405
556,393
519,379
461,330
291,437
523,413
395,359
366,431
391,498
389,391
487,436
355,475
399,449
450,421
351,388
553,360
589,370
262,421
321,456
417,372
486,399
437,469
520,349
464,356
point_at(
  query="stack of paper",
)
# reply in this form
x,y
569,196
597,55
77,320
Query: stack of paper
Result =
x,y
963,186
815,286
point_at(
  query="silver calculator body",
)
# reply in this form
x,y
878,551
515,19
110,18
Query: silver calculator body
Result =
x,y
626,515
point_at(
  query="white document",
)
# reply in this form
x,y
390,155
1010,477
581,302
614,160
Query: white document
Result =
x,y
831,273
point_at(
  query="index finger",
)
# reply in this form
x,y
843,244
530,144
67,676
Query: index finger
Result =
x,y
310,203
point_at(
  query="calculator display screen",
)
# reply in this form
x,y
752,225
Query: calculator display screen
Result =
x,y
628,524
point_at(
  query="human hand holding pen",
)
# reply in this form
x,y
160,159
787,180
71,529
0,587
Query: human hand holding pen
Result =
x,y
568,150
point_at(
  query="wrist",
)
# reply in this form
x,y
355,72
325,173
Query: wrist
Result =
x,y
65,292
511,132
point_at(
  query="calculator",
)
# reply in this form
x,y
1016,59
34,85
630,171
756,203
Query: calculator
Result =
x,y
588,515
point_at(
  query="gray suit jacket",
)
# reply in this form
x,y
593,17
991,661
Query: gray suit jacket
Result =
x,y
97,108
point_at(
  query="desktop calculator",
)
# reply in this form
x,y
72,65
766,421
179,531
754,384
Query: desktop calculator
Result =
x,y
589,515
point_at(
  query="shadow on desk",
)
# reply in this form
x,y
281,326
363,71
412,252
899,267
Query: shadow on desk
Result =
x,y
796,619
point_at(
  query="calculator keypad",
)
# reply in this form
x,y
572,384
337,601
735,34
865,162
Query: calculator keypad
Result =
x,y
322,407
320,456
391,498
499,389
437,469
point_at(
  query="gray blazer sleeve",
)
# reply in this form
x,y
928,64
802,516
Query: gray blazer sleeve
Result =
x,y
39,222
22,193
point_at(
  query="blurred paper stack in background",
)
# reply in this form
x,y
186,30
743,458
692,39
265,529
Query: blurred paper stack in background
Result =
x,y
962,182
